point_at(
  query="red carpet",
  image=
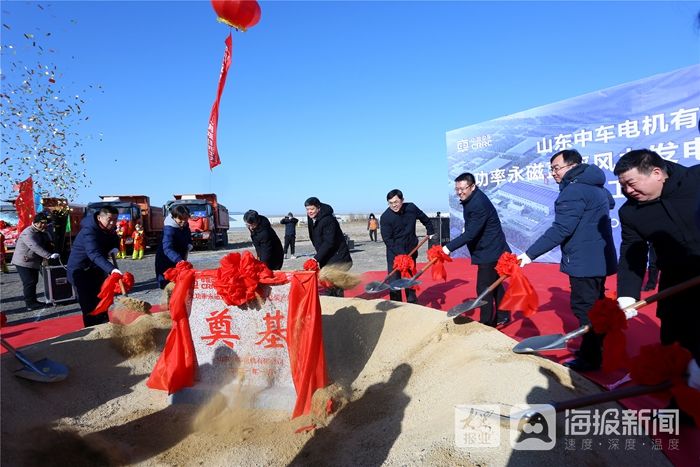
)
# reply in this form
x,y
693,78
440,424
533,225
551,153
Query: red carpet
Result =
x,y
552,317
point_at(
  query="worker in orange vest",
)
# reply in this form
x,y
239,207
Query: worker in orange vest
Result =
x,y
121,232
138,242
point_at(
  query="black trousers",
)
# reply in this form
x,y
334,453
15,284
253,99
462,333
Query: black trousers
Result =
x,y
584,293
372,235
652,269
87,284
397,295
289,241
680,320
485,276
30,278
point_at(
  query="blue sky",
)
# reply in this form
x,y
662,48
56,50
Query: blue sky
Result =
x,y
339,100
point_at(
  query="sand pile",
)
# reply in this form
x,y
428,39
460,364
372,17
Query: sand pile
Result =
x,y
398,369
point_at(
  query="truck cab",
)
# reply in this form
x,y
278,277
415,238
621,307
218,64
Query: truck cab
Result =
x,y
209,221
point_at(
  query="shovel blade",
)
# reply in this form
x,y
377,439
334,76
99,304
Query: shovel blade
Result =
x,y
401,284
541,343
376,287
464,307
44,371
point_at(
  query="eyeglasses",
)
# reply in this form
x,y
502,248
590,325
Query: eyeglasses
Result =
x,y
465,189
556,168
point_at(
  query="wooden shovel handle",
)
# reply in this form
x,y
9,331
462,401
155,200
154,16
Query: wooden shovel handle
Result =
x,y
666,293
425,268
410,253
609,396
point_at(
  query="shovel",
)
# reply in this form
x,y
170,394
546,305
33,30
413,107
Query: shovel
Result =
x,y
476,303
405,283
377,287
130,302
558,341
44,370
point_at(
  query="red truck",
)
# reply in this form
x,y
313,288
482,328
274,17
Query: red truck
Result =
x,y
209,220
134,209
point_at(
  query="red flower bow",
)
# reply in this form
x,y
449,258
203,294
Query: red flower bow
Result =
x,y
520,294
438,271
110,287
238,278
608,318
405,265
311,265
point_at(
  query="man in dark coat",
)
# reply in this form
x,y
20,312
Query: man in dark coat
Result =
x,y
582,228
267,244
88,263
327,238
662,200
290,232
398,227
176,242
486,242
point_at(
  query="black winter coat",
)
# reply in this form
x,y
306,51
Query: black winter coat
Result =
x,y
668,223
91,248
399,231
581,225
483,233
267,244
328,238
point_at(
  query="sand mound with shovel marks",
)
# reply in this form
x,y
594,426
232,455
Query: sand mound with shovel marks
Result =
x,y
398,369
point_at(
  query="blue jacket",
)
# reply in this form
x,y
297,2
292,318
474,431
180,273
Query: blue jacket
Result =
x,y
399,231
174,246
483,233
581,225
91,248
290,226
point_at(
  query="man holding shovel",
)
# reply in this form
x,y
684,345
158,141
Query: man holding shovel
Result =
x,y
88,264
662,197
582,228
486,242
398,227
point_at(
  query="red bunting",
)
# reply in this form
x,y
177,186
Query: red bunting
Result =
x,y
608,318
520,295
658,363
435,253
24,204
176,366
238,278
405,265
110,288
212,149
305,340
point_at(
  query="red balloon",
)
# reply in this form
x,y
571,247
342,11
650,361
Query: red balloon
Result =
x,y
241,14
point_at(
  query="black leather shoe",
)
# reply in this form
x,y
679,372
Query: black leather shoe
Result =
x,y
649,287
35,306
581,365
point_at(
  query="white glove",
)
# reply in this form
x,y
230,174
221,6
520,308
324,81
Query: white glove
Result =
x,y
524,260
113,252
625,302
54,256
431,236
116,271
694,375
189,247
446,250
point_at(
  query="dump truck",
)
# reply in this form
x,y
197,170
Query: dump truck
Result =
x,y
134,209
209,220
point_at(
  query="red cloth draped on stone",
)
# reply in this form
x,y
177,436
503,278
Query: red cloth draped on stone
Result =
x,y
438,271
110,288
305,340
238,278
608,318
405,265
175,368
24,204
657,363
520,295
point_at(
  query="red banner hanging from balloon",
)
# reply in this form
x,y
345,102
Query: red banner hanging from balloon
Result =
x,y
213,150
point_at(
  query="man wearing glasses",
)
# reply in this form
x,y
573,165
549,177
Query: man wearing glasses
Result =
x,y
486,242
88,263
33,245
582,228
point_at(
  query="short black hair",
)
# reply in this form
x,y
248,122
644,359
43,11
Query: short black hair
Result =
x,y
179,211
466,177
313,201
394,192
570,156
108,210
644,160
251,216
41,217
